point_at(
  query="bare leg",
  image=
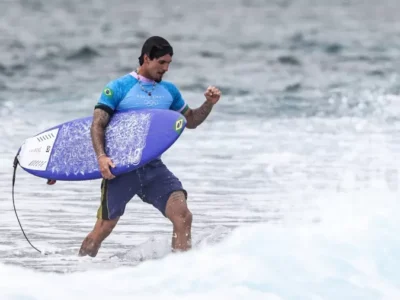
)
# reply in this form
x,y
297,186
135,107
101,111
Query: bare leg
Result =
x,y
91,244
181,218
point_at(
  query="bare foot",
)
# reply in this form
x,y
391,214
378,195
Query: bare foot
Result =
x,y
89,247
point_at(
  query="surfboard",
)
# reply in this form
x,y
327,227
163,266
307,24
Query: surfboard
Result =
x,y
132,139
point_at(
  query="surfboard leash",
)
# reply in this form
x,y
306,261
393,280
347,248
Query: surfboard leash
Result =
x,y
15,165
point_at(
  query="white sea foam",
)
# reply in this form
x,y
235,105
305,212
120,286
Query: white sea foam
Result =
x,y
351,253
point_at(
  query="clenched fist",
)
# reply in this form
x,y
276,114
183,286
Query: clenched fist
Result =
x,y
212,94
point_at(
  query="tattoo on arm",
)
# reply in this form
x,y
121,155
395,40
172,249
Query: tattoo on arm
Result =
x,y
196,116
97,130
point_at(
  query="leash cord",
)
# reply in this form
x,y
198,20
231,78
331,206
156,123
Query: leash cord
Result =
x,y
15,165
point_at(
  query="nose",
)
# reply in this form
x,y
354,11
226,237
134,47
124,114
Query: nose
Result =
x,y
165,67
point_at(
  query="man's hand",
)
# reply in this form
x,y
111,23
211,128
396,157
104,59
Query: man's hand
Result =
x,y
212,94
104,164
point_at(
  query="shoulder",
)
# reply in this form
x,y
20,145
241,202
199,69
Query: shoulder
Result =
x,y
122,83
115,90
172,88
178,103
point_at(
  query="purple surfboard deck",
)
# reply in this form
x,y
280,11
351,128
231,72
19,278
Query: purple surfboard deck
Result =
x,y
133,138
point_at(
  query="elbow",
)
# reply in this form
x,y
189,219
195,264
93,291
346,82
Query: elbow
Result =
x,y
190,124
95,128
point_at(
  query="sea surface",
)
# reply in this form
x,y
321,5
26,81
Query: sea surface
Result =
x,y
293,179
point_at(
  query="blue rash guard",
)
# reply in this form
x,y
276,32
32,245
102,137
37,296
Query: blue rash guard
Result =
x,y
127,92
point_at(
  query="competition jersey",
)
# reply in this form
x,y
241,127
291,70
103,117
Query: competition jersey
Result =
x,y
127,92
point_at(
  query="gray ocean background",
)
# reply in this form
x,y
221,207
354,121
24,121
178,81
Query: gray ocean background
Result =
x,y
309,117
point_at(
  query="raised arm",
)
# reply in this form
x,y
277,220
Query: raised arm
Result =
x,y
195,117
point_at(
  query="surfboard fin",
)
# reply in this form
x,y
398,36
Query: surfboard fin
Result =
x,y
51,181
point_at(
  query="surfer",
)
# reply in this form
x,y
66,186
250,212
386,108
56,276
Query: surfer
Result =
x,y
153,183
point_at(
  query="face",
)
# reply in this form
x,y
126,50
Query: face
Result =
x,y
157,67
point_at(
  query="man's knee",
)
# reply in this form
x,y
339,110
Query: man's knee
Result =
x,y
185,216
182,219
177,210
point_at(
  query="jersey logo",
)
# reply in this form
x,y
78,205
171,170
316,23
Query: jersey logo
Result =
x,y
108,92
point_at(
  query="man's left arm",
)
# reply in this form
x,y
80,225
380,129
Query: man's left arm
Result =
x,y
195,117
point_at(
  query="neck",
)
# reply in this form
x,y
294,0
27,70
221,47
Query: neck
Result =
x,y
144,74
141,77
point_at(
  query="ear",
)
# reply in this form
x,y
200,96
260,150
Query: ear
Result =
x,y
146,59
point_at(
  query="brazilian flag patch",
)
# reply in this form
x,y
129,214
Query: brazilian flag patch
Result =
x,y
108,92
179,125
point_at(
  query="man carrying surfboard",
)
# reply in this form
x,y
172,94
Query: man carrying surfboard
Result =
x,y
153,183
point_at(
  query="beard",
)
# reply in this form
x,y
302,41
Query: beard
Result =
x,y
159,78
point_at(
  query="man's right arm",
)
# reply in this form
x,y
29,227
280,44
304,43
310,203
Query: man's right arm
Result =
x,y
104,109
97,131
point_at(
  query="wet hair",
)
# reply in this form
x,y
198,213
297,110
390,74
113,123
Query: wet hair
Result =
x,y
155,47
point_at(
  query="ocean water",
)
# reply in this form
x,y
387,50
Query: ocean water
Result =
x,y
293,179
